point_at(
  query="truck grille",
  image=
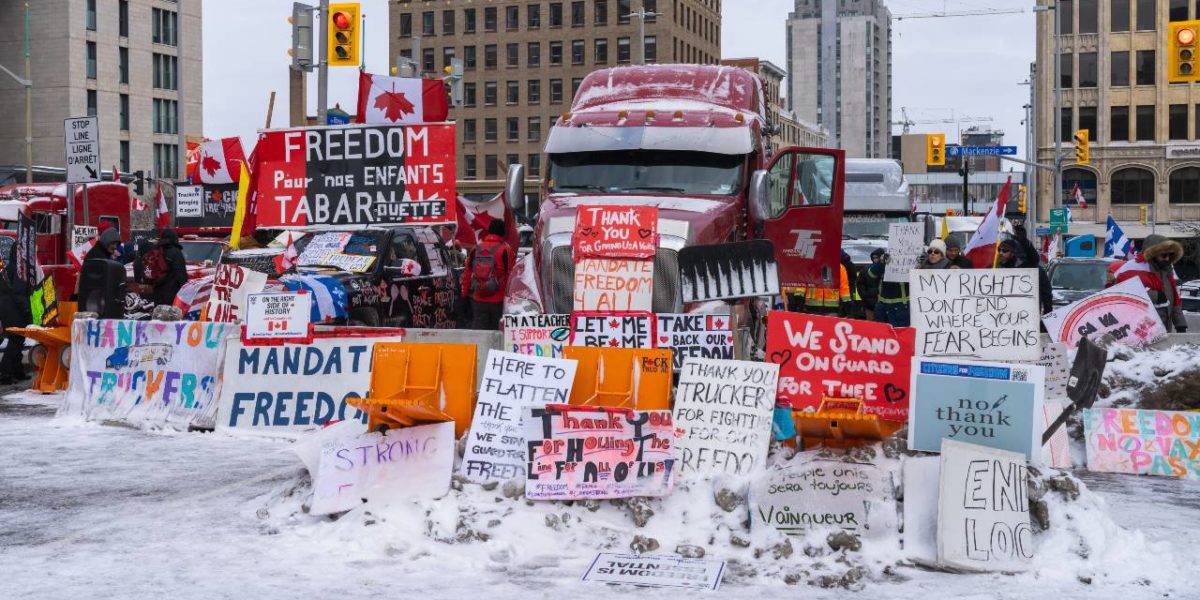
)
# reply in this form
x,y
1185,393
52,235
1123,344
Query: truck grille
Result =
x,y
561,288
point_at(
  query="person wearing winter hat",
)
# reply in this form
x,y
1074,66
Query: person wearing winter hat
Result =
x,y
935,255
866,287
1159,255
954,254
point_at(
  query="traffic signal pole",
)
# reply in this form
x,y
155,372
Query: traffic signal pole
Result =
x,y
966,172
323,69
1058,161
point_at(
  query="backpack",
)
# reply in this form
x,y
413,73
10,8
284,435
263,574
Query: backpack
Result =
x,y
154,265
487,269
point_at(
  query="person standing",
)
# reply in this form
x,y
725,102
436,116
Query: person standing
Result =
x,y
485,278
175,276
892,304
1010,255
1157,272
935,256
14,312
867,288
954,254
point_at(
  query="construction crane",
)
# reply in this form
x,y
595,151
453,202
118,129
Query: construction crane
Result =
x,y
983,12
907,123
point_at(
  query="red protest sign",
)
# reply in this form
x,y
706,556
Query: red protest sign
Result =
x,y
615,232
841,358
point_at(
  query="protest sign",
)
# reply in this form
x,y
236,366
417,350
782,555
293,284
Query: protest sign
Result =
x,y
612,329
695,335
811,494
83,234
25,253
1142,442
212,208
537,334
615,232
1054,361
349,262
725,271
921,474
356,175
189,201
400,463
146,373
978,314
286,389
823,357
983,509
991,404
1057,451
321,245
44,303
650,570
579,452
906,246
724,410
1122,313
510,384
609,285
231,286
278,316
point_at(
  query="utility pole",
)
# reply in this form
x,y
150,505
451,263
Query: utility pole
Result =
x,y
966,173
641,15
181,160
1057,108
28,105
323,69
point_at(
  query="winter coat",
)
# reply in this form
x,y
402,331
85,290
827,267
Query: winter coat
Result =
x,y
1160,283
505,261
14,296
941,264
868,288
176,276
1019,261
960,262
100,249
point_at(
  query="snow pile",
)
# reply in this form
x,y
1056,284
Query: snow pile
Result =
x,y
1166,379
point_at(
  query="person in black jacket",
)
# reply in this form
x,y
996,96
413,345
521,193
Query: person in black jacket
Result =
x,y
168,287
1030,257
867,288
1009,255
954,254
14,312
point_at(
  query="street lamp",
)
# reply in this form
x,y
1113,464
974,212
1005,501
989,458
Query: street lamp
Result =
x,y
641,15
1057,192
27,82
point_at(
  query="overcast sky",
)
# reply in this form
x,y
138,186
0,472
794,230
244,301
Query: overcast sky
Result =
x,y
941,67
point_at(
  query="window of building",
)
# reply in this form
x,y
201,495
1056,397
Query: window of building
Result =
x,y
556,53
1184,186
469,58
489,56
125,156
1118,124
123,18
490,169
556,91
1088,77
123,107
165,116
623,11
489,19
93,102
533,93
575,83
1118,14
577,52
534,54
1145,15
469,94
1177,10
165,72
600,13
1119,63
1145,67
512,92
469,20
469,131
512,55
489,130
427,23
600,51
1067,128
556,14
1145,123
1066,70
651,6
1085,179
1177,122
578,14
469,167
512,159
533,129
166,161
535,165
91,15
123,64
1132,185
1087,120
447,22
91,60
427,60
512,18
406,25
513,129
447,56
622,50
533,16
489,93
1089,16
651,48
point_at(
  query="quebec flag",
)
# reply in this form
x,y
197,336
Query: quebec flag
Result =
x,y
1115,242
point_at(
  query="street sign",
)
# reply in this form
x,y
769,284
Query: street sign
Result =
x,y
1042,231
1058,220
82,138
337,116
981,150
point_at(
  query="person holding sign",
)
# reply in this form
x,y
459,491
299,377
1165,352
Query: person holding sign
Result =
x,y
1010,255
935,256
955,256
485,279
168,287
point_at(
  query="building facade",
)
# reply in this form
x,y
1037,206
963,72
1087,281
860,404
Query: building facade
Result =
x,y
792,131
523,61
842,81
134,63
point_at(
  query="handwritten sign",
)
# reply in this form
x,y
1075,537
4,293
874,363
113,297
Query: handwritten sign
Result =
x,y
510,384
612,330
349,262
695,336
906,246
231,287
979,314
321,246
1054,361
81,235
399,463
536,334
724,409
615,232
991,404
822,357
189,201
1122,313
278,316
983,509
814,494
651,570
610,285
593,452
1143,442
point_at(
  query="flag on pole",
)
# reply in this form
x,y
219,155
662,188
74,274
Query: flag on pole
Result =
x,y
1077,194
982,247
116,174
162,219
239,213
216,161
945,228
1116,244
388,100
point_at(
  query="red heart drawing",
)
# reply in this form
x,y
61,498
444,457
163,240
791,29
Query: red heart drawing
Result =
x,y
662,339
645,233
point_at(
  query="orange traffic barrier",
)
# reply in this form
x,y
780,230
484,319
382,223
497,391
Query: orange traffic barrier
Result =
x,y
54,373
841,423
416,384
633,378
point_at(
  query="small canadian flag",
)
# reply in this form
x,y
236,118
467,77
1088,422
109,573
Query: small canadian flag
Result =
x,y
163,218
1077,194
388,100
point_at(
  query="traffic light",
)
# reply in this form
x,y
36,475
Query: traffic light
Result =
x,y
935,149
1021,206
302,36
342,29
1182,67
1143,211
1082,153
454,82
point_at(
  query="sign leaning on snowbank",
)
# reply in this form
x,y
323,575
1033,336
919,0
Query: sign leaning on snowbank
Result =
x,y
1122,313
803,495
724,409
278,315
983,509
978,314
1143,442
651,570
537,334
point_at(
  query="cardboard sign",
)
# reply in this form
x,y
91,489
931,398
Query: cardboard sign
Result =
x,y
651,570
145,373
278,316
1143,442
356,175
189,201
1054,361
349,262
590,452
814,494
906,246
612,330
822,357
695,336
321,246
81,235
1057,451
978,314
1122,313
615,232
921,482
611,285
725,271
400,463
231,287
510,384
536,334
983,509
214,209
724,410
44,303
991,404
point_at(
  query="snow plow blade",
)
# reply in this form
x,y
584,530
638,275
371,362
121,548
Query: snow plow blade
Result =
x,y
621,377
53,374
841,423
417,384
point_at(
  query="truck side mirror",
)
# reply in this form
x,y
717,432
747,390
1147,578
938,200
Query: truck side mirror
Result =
x,y
759,196
514,187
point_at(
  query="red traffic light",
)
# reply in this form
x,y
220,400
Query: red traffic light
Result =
x,y
1185,36
341,20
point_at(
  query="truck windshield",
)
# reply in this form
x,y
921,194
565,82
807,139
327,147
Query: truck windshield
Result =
x,y
633,171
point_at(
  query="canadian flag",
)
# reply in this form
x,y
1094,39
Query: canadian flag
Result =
x,y
387,100
475,217
162,219
1077,194
290,256
217,161
982,247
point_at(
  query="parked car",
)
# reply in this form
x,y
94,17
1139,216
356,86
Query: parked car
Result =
x,y
1189,291
860,249
1072,279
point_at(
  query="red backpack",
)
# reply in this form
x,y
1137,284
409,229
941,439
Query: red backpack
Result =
x,y
488,268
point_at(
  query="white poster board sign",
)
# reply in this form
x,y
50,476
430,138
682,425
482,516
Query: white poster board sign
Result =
x,y
983,509
1122,313
278,315
697,335
189,201
921,474
724,409
650,570
611,285
906,245
321,246
82,234
536,334
804,495
1054,361
977,314
231,287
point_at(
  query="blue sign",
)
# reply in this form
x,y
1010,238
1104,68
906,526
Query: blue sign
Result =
x,y
336,117
1042,231
981,150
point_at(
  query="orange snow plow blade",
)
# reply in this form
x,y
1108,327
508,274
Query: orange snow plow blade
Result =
x,y
841,423
53,374
417,384
621,377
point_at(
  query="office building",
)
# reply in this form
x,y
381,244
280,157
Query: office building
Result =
x,y
792,131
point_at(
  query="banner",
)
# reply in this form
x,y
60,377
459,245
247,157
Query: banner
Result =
x,y
610,285
983,509
213,208
991,404
278,316
536,334
980,314
906,246
1142,442
726,271
615,232
25,253
189,202
400,463
509,385
724,409
612,330
356,175
145,373
804,495
580,452
821,357
286,389
43,303
695,335
232,285
650,570
1122,313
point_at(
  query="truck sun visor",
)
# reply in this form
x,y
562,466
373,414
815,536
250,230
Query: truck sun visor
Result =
x,y
718,140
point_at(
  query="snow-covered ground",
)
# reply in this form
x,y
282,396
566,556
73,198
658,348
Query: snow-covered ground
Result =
x,y
89,510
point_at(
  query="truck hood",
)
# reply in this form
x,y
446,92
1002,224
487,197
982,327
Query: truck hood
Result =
x,y
688,219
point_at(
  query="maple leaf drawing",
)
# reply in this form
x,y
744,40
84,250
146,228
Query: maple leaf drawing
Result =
x,y
614,323
394,105
614,343
210,164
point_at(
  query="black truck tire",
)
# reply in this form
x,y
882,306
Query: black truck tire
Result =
x,y
363,317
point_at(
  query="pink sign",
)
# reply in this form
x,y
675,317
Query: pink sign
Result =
x,y
615,232
1122,312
